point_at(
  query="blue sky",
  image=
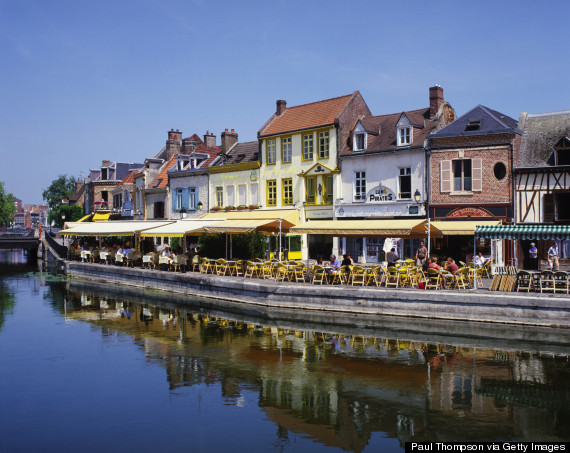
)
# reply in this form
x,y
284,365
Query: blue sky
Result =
x,y
84,81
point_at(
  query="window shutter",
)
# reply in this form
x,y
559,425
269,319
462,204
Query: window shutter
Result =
x,y
196,197
445,175
548,209
477,169
173,194
185,204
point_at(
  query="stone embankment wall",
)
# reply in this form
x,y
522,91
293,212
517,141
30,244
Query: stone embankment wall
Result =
x,y
467,305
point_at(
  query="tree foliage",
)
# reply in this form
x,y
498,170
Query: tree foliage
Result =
x,y
60,189
72,214
244,246
7,206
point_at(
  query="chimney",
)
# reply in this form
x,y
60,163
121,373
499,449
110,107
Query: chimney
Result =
x,y
209,140
229,139
435,100
281,107
173,143
105,163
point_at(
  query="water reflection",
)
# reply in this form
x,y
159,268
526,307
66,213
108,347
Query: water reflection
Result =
x,y
340,387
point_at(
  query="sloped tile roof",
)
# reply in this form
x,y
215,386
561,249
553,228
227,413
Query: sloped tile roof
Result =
x,y
241,152
540,134
162,179
130,178
492,122
305,116
382,131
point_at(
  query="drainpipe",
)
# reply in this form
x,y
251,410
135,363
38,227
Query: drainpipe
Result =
x,y
427,194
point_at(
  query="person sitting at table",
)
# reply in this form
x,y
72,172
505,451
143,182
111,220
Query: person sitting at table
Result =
x,y
392,257
479,260
347,260
450,266
335,263
319,260
433,264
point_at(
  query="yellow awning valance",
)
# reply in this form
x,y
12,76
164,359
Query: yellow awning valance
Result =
x,y
372,227
85,218
101,217
113,228
461,227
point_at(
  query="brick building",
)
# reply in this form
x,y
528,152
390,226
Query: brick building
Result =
x,y
471,175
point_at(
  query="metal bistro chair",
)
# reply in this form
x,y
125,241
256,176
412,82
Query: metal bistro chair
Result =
x,y
249,269
319,275
177,262
392,277
358,273
561,283
524,281
546,281
221,266
195,263
461,278
282,273
433,279
299,275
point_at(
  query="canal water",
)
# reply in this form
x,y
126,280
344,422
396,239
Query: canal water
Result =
x,y
102,369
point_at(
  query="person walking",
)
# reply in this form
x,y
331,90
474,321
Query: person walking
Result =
x,y
553,257
421,254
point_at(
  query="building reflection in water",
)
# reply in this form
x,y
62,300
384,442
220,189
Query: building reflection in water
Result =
x,y
339,387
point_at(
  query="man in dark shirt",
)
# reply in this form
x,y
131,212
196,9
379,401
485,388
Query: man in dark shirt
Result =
x,y
421,254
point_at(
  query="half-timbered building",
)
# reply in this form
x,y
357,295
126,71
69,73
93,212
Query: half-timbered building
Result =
x,y
542,180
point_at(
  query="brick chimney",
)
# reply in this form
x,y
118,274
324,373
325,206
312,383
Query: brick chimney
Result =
x,y
105,163
435,100
281,107
209,140
229,139
173,143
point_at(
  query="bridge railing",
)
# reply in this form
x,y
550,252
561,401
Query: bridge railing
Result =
x,y
61,250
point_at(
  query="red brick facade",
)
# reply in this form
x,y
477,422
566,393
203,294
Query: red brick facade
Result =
x,y
492,149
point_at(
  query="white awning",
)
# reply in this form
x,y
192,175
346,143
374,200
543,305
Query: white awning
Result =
x,y
181,228
114,228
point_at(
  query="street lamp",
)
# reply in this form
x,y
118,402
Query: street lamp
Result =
x,y
417,196
62,225
200,206
182,213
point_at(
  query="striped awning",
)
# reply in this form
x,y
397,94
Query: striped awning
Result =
x,y
524,231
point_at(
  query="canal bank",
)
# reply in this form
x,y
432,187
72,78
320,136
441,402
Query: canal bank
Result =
x,y
466,305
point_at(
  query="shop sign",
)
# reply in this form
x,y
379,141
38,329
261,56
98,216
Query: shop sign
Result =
x,y
319,214
379,194
469,212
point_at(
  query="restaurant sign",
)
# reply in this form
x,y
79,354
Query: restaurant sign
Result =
x,y
380,193
469,212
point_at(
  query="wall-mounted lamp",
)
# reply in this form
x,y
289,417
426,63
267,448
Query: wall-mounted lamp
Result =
x,y
200,206
417,196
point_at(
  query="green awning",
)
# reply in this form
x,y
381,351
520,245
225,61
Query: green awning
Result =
x,y
524,231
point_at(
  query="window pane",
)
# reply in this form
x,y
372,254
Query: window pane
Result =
x,y
467,175
310,190
271,151
323,145
405,183
329,189
271,193
242,194
288,192
286,151
308,147
457,174
254,194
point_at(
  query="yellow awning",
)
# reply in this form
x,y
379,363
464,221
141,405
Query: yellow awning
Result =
x,y
248,226
113,228
372,227
461,227
290,215
101,217
85,218
180,228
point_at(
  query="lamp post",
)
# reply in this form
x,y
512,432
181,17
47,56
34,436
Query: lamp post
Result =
x,y
417,198
62,225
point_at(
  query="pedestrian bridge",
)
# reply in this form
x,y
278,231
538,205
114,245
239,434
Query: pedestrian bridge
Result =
x,y
24,238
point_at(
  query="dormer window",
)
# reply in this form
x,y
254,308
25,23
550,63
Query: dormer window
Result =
x,y
359,138
359,142
104,174
473,125
404,136
562,151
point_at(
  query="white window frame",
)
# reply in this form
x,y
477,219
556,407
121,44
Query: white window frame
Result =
x,y
407,173
359,182
405,134
179,199
242,195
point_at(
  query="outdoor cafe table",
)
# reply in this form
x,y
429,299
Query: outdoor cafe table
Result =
x,y
165,260
85,254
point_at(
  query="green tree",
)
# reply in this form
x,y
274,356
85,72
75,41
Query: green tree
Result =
x,y
7,206
72,214
60,189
